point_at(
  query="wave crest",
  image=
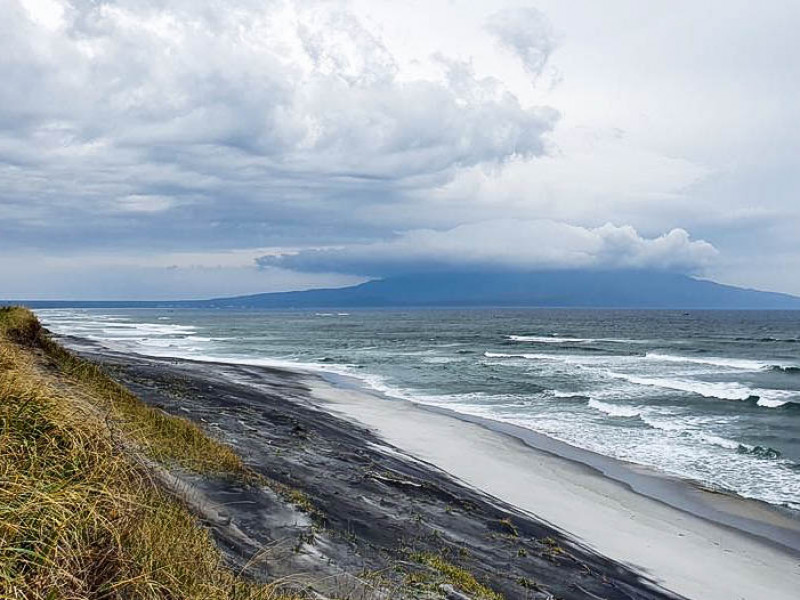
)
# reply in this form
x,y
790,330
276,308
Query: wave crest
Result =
x,y
548,339
733,363
615,410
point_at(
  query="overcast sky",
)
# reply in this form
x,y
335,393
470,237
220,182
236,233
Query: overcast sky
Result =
x,y
194,148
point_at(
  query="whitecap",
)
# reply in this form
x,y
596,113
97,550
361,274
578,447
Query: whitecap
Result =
x,y
542,339
775,398
560,394
716,440
615,410
733,363
722,390
572,359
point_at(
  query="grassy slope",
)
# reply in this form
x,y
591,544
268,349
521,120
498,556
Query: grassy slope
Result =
x,y
79,515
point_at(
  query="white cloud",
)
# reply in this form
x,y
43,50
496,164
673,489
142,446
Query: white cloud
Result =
x,y
527,33
49,13
507,244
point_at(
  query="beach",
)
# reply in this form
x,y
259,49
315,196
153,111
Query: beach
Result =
x,y
682,551
531,520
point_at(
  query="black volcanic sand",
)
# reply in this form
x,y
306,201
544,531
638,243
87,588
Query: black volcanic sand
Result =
x,y
343,512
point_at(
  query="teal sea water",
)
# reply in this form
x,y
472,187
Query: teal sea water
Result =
x,y
711,396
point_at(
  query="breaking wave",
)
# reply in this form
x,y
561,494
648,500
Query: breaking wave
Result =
x,y
733,363
548,339
615,410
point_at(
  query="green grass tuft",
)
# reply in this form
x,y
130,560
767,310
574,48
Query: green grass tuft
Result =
x,y
456,576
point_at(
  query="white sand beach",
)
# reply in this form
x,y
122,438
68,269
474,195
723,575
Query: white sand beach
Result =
x,y
686,554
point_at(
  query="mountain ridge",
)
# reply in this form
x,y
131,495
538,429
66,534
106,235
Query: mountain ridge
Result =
x,y
551,289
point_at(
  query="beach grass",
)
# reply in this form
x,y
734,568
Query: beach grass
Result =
x,y
454,575
163,437
80,516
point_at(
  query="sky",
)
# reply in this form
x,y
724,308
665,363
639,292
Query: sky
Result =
x,y
155,149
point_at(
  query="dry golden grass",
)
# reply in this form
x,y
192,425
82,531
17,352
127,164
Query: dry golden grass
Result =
x,y
79,519
163,437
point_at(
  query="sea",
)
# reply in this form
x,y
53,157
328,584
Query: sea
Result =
x,y
710,396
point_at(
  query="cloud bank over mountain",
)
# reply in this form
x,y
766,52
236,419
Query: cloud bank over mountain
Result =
x,y
507,245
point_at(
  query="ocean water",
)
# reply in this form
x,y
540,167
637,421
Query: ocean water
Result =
x,y
711,396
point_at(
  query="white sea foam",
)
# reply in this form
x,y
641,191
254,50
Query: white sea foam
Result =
x,y
733,363
722,390
287,363
716,440
133,330
158,338
559,339
664,424
768,403
615,410
564,358
691,429
775,398
653,357
560,394
526,356
767,398
578,360
542,339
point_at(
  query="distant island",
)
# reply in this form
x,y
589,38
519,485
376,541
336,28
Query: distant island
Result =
x,y
565,288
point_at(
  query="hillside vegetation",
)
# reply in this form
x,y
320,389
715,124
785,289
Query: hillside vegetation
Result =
x,y
80,515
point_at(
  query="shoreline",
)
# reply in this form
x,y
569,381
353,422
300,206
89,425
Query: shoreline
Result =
x,y
774,524
716,546
373,514
770,523
697,549
677,491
